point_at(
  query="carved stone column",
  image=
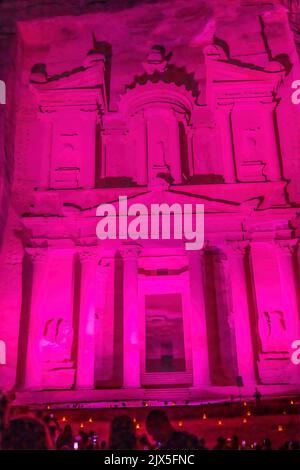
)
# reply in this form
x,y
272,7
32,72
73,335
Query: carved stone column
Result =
x,y
131,320
236,253
88,120
223,116
103,344
33,367
201,375
175,148
86,330
45,140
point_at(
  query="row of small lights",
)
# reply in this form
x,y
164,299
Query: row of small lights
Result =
x,y
180,423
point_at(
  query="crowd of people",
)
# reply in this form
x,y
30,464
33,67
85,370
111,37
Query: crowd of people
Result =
x,y
42,431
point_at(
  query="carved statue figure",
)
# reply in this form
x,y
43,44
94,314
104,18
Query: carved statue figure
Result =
x,y
273,331
57,340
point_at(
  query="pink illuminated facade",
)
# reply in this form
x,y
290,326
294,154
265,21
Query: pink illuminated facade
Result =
x,y
187,105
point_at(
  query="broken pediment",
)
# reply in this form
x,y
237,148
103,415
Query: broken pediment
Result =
x,y
82,86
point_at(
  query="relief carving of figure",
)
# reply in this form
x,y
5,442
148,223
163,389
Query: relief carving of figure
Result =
x,y
273,331
57,340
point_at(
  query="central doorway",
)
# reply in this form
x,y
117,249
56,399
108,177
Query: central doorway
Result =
x,y
164,346
166,356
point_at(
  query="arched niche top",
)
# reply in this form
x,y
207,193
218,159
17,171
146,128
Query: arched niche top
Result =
x,y
157,95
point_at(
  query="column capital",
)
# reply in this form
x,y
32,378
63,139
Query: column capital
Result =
x,y
286,247
88,255
38,255
130,251
236,248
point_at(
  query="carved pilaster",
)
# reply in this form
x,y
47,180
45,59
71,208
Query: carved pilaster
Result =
x,y
131,319
240,314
